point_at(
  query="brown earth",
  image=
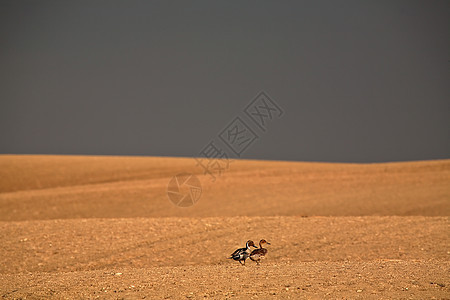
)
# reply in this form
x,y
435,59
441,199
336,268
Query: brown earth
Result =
x,y
89,227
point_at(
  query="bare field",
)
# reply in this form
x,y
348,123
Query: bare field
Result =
x,y
381,279
103,227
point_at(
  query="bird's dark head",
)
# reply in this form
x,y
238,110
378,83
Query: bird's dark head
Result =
x,y
250,243
263,241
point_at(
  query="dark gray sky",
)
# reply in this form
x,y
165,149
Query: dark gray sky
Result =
x,y
359,81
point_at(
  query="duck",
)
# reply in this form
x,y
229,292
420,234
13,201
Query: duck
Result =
x,y
242,254
260,253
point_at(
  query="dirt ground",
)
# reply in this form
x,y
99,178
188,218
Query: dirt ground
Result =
x,y
103,227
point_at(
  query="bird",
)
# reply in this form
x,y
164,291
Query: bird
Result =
x,y
242,254
260,253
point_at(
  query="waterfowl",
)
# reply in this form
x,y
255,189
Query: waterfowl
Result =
x,y
242,254
260,253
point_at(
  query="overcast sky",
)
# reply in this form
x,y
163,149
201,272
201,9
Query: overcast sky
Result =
x,y
357,81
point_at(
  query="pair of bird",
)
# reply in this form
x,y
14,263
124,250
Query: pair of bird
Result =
x,y
257,254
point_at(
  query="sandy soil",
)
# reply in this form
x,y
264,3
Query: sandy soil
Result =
x,y
103,227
